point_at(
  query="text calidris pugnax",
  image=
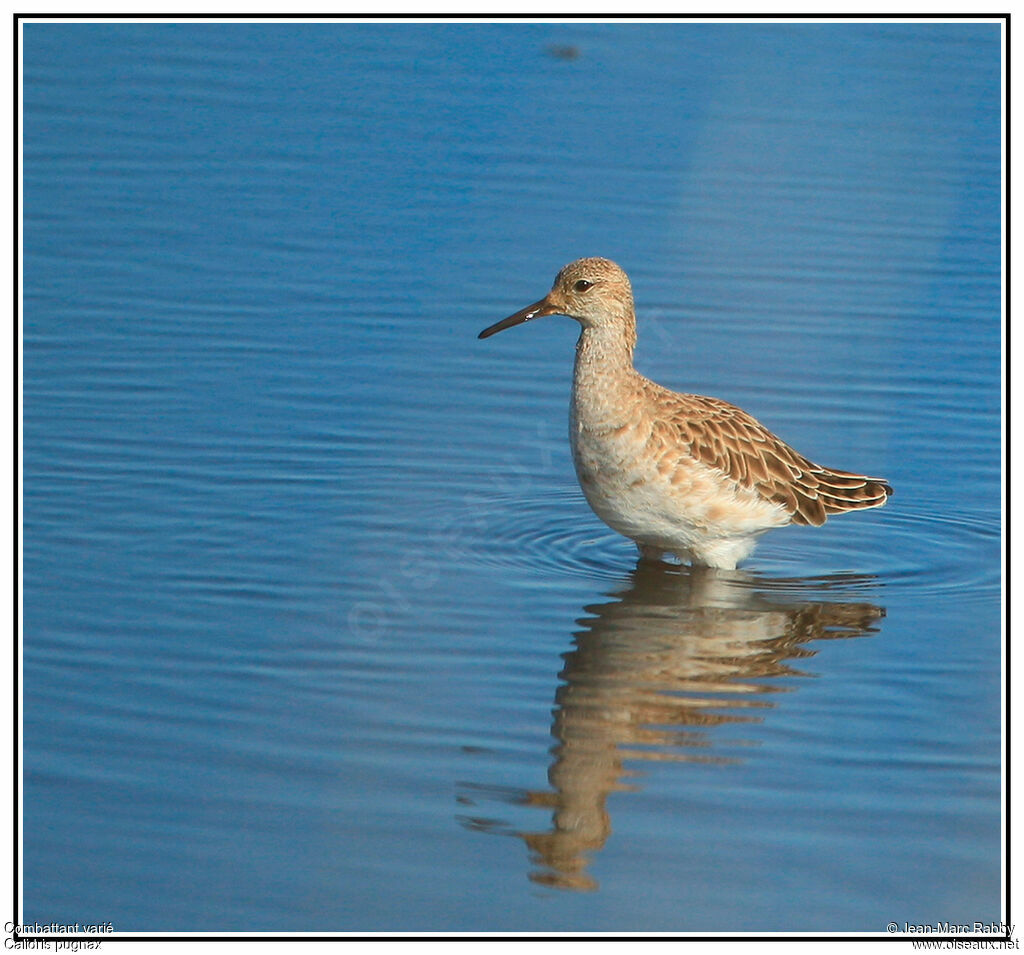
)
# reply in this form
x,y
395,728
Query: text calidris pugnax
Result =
x,y
681,474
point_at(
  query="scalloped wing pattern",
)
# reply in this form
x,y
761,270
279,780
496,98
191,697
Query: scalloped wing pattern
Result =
x,y
724,437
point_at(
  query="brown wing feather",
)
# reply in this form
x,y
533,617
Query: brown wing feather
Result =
x,y
725,437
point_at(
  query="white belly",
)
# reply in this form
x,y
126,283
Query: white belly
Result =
x,y
668,502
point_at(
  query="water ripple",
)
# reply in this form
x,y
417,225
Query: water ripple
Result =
x,y
934,554
544,532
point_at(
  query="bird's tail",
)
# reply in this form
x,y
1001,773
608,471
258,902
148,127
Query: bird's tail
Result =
x,y
839,491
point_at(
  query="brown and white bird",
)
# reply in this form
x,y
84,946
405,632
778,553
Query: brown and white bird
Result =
x,y
682,474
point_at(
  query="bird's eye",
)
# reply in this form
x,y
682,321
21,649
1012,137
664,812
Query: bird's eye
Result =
x,y
582,285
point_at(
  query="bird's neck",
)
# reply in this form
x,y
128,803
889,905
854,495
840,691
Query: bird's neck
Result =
x,y
603,352
603,375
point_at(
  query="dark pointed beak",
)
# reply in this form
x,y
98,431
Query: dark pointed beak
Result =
x,y
536,310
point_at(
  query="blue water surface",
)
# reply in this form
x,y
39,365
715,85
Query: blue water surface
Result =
x,y
319,632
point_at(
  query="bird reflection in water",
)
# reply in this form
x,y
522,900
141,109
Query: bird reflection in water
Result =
x,y
655,674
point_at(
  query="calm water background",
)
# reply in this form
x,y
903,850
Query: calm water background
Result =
x,y
319,633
